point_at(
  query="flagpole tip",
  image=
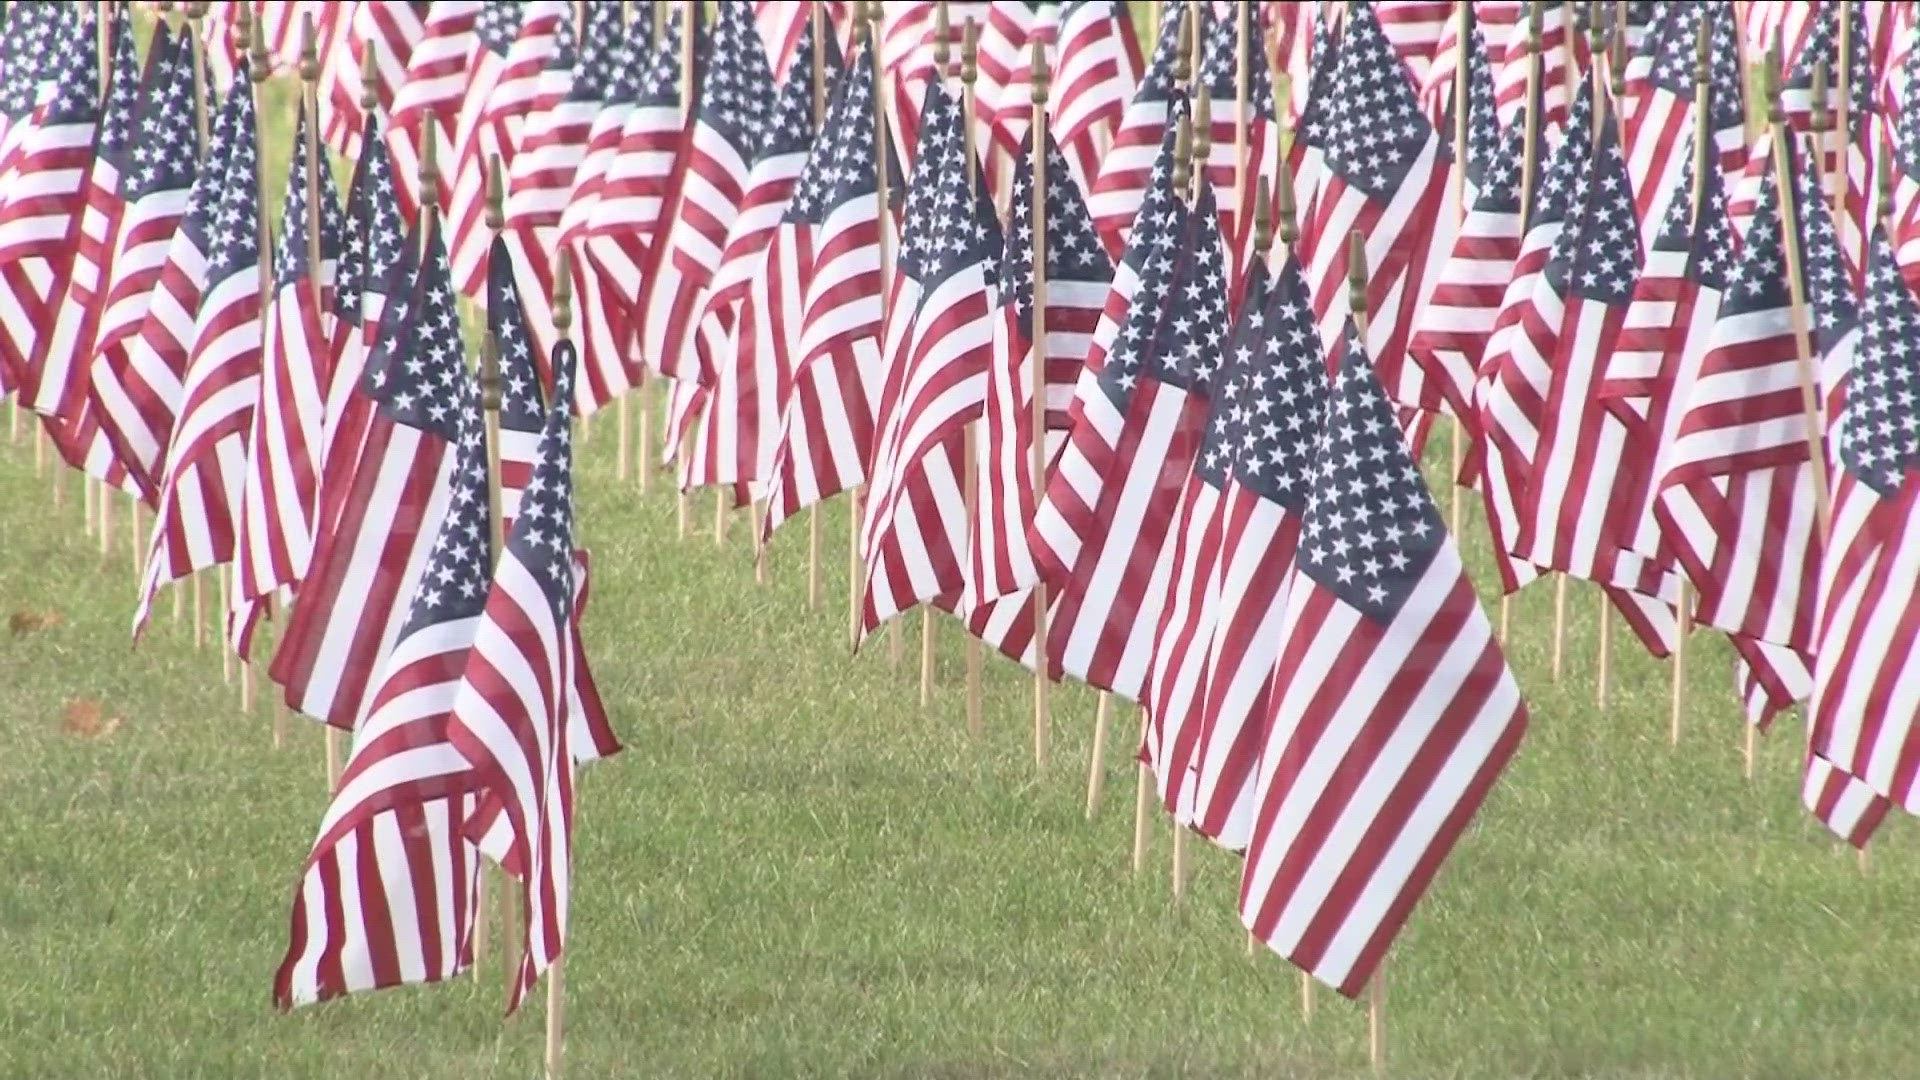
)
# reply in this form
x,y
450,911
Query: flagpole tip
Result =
x,y
496,194
1357,273
309,50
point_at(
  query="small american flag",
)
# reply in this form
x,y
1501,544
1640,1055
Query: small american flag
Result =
x,y
1863,754
1857,158
733,96
1265,464
1099,73
826,429
570,95
1386,178
1115,194
523,411
476,137
1737,500
273,539
1393,709
1660,133
1003,559
1136,430
389,30
1219,70
381,475
752,299
941,336
387,897
156,189
428,95
526,712
207,450
1563,54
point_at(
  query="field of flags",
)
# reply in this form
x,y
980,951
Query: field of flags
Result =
x,y
1124,330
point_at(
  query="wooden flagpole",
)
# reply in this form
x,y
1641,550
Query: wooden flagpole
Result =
x,y
1192,170
643,434
1242,110
556,974
820,32
1376,986
1843,104
1456,193
310,90
1142,799
969,73
196,10
1702,161
883,202
102,493
1037,389
257,53
492,388
1617,84
1529,174
942,60
689,29
1783,148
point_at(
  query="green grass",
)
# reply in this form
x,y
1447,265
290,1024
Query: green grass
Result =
x,y
794,870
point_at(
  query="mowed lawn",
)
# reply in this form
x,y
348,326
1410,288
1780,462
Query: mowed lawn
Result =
x,y
794,869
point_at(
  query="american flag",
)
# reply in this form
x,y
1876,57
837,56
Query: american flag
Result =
x,y
783,25
382,476
46,192
477,138
631,205
1393,709
1563,54
941,338
755,292
1511,387
566,105
627,69
280,491
1313,98
1266,477
526,712
1416,28
1903,224
387,28
1386,178
388,893
134,401
1097,77
1450,335
29,34
826,427
428,95
1117,487
1671,317
733,94
207,451
1115,195
80,256
1853,155
1660,133
570,96
1737,498
1003,88
1003,556
1862,754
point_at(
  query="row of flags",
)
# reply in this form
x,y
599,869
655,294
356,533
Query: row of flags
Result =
x,y
1010,282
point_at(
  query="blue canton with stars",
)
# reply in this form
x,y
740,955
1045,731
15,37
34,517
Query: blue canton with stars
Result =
x,y
659,84
1150,252
940,232
1880,425
736,85
789,126
370,251
1829,289
1712,245
420,376
235,232
210,187
600,47
1906,123
1157,84
163,154
1602,261
1278,414
453,584
1188,344
1757,281
1562,185
498,24
290,257
521,406
1822,47
1370,529
1317,116
627,64
543,539
1376,129
841,167
73,67
1227,411
1219,66
113,139
1484,150
1074,251
1674,56
23,49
